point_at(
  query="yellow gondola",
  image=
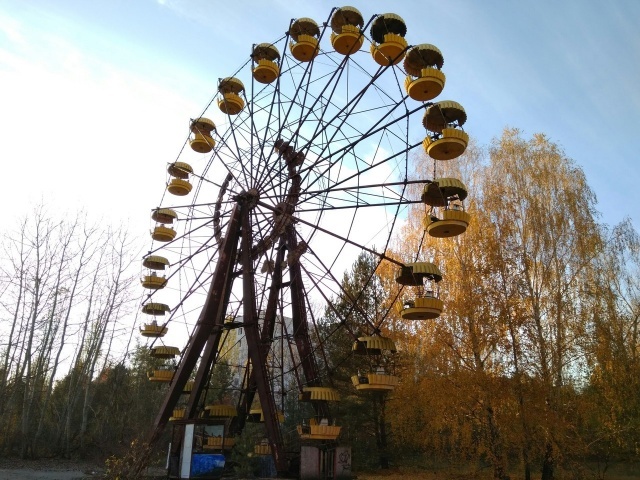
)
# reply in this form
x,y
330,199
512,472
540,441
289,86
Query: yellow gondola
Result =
x,y
316,394
378,382
179,187
163,351
424,303
266,69
153,308
379,348
221,410
164,215
257,416
188,387
262,448
163,234
452,222
425,307
447,217
202,125
153,281
413,274
179,170
441,191
153,330
219,443
424,79
222,414
373,345
445,140
178,414
161,375
231,102
155,262
347,37
202,141
318,430
389,45
304,34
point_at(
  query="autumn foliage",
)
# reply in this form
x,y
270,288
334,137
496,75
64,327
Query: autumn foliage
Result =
x,y
533,367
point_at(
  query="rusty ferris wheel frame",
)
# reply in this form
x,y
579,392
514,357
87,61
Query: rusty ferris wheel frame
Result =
x,y
299,156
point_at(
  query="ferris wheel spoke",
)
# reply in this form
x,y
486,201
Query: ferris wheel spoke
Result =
x,y
274,110
344,207
256,150
339,155
385,186
367,169
236,165
343,112
350,104
340,119
293,103
340,293
339,237
360,196
376,128
288,133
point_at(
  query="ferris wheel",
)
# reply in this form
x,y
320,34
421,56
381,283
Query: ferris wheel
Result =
x,y
299,163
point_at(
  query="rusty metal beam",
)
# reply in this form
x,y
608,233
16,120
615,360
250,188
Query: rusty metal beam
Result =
x,y
299,312
204,327
299,320
266,338
210,354
254,346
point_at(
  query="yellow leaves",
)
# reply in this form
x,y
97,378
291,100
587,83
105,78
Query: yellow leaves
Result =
x,y
513,292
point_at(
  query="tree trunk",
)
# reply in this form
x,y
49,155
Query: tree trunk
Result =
x,y
548,463
24,430
495,446
381,428
67,314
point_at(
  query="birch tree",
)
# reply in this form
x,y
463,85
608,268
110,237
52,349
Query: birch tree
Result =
x,y
66,284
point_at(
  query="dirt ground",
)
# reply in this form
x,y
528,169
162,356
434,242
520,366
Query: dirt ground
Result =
x,y
12,469
61,470
28,474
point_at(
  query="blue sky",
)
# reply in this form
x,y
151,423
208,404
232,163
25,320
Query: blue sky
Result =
x,y
96,95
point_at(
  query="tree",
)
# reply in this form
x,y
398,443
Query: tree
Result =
x,y
356,312
613,404
66,285
455,370
549,233
513,330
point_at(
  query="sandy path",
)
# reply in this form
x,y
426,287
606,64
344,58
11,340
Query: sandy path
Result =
x,y
16,469
47,469
31,474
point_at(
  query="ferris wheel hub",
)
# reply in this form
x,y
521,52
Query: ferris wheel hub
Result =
x,y
249,198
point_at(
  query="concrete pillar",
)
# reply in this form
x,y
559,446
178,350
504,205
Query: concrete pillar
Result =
x,y
309,463
342,463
